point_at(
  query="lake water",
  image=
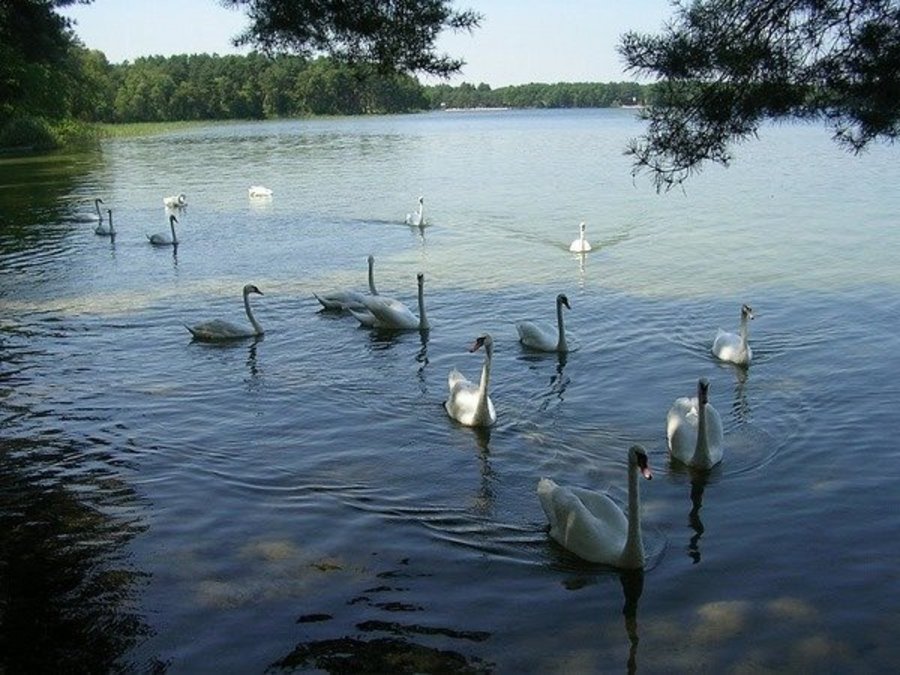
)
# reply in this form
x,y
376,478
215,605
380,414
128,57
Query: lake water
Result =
x,y
303,502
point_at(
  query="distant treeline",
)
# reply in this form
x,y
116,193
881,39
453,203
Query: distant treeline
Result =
x,y
254,86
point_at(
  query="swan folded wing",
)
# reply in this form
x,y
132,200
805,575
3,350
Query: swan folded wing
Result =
x,y
587,523
340,300
218,330
536,336
364,316
390,313
715,434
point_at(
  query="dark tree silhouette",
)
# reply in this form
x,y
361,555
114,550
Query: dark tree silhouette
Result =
x,y
724,66
395,35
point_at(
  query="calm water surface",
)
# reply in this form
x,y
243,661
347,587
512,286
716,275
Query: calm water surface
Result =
x,y
302,501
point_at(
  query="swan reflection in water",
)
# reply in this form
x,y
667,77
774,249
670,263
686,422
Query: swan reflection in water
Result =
x,y
632,582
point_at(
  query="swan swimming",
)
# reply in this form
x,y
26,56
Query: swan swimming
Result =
x,y
259,191
391,314
733,347
106,230
544,338
694,430
217,330
581,244
417,218
89,217
161,239
178,201
347,299
469,403
591,525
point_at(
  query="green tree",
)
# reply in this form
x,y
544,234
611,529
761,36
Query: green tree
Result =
x,y
724,66
395,35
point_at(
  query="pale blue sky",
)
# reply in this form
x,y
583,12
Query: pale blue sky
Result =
x,y
520,41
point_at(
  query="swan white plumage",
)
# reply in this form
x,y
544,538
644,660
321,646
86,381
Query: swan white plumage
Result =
x,y
178,201
733,347
259,191
417,218
90,216
544,338
469,403
591,525
348,299
694,430
161,239
391,314
106,230
580,245
218,330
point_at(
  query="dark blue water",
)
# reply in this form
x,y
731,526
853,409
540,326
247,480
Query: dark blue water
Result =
x,y
302,500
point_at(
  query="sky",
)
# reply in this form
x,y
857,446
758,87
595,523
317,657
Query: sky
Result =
x,y
519,41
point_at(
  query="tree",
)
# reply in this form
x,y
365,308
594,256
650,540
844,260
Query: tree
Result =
x,y
396,35
34,51
724,66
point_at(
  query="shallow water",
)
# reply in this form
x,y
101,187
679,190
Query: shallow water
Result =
x,y
302,501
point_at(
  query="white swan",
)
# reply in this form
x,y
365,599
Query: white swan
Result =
x,y
544,338
259,191
591,525
733,347
87,216
469,403
694,430
217,330
581,244
161,239
178,201
347,299
417,218
391,314
106,230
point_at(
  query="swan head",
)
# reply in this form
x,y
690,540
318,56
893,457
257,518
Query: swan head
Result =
x,y
485,341
371,260
172,219
251,288
581,227
562,299
746,312
421,200
420,279
702,391
637,456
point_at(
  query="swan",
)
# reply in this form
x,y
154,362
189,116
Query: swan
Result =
x,y
259,191
469,403
178,201
544,338
106,230
580,245
162,239
346,299
591,525
694,430
733,347
88,217
216,330
417,218
391,314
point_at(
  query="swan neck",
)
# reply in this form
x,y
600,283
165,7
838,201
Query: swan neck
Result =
x,y
372,277
485,381
175,239
701,450
561,343
256,327
633,554
423,319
